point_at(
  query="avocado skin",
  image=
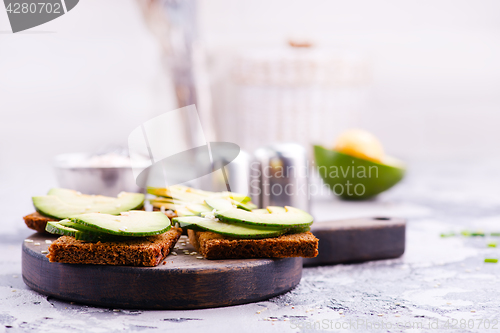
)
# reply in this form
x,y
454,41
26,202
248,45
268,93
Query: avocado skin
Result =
x,y
388,175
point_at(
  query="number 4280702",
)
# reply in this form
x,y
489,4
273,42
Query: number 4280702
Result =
x,y
32,7
471,324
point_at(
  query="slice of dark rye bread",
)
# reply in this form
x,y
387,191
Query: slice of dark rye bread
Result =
x,y
37,221
142,251
215,246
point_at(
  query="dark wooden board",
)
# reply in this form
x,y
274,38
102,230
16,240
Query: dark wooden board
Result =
x,y
357,240
184,282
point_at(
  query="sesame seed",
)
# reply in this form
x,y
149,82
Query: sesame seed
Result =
x,y
199,257
397,303
48,241
193,253
28,240
36,244
380,315
116,310
174,253
472,310
44,252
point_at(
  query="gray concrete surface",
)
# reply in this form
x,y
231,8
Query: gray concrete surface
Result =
x,y
439,284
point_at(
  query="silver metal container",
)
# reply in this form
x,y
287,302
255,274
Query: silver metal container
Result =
x,y
73,172
279,176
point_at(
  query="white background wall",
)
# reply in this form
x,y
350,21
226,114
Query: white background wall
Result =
x,y
85,80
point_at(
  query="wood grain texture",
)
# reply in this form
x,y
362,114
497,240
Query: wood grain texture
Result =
x,y
183,282
357,240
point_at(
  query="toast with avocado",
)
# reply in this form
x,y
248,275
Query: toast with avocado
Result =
x,y
216,246
229,226
134,238
141,251
61,203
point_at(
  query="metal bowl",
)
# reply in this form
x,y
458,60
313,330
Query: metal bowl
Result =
x,y
73,172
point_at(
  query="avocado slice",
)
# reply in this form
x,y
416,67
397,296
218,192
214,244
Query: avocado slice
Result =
x,y
62,203
298,230
226,203
293,218
59,228
219,203
183,211
133,223
166,205
198,208
176,194
184,193
354,178
227,229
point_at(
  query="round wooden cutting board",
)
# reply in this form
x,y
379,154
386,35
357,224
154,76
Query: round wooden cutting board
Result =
x,y
183,282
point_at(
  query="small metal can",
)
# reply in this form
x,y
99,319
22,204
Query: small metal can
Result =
x,y
279,176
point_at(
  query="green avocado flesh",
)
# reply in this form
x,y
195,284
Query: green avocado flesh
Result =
x,y
276,209
260,211
198,208
229,214
293,218
63,203
166,205
224,204
227,229
219,203
133,223
188,194
353,178
59,228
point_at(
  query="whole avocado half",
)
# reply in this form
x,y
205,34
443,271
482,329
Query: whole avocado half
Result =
x,y
353,178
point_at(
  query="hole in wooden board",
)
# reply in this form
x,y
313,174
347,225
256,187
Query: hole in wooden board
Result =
x,y
382,218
